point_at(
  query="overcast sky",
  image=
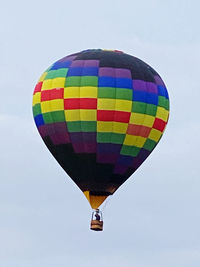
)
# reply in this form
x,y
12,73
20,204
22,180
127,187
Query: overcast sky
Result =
x,y
153,220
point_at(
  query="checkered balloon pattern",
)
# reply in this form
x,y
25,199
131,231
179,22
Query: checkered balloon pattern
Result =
x,y
100,113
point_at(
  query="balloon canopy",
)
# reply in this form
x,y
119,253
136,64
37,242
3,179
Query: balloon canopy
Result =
x,y
100,113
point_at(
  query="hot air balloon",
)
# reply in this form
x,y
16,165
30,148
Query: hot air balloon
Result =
x,y
100,113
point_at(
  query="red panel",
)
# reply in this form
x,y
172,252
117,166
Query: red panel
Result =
x,y
47,95
88,103
111,115
138,130
159,124
57,93
38,87
80,103
72,103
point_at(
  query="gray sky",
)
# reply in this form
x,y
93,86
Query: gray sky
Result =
x,y
153,219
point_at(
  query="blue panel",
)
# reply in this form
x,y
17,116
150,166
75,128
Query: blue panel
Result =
x,y
90,71
152,99
142,96
139,96
59,65
108,148
39,120
107,82
143,154
125,160
162,91
124,83
75,71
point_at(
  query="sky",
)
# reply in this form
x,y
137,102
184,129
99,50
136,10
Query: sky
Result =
x,y
153,219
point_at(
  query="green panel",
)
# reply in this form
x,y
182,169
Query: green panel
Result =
x,y
113,138
55,116
47,117
89,81
73,81
58,116
50,75
117,138
103,137
106,92
149,145
151,109
144,108
139,107
61,72
81,126
130,150
122,93
74,126
88,126
163,102
37,109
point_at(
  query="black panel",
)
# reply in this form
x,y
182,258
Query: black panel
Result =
x,y
121,60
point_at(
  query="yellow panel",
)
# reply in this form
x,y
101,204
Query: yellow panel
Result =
x,y
52,105
133,140
42,77
88,92
140,141
72,115
95,201
72,92
106,104
88,114
57,104
148,121
104,126
47,84
155,135
162,113
119,127
142,119
36,98
58,82
45,106
137,118
123,105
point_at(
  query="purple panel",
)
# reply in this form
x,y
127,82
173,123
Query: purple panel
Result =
x,y
47,129
83,137
67,58
158,80
123,73
114,72
107,72
85,63
139,85
149,87
84,147
60,127
91,63
77,63
107,158
136,163
152,87
143,154
53,128
120,169
43,130
108,148
59,139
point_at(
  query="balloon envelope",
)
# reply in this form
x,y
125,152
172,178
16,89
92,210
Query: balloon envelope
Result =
x,y
100,113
